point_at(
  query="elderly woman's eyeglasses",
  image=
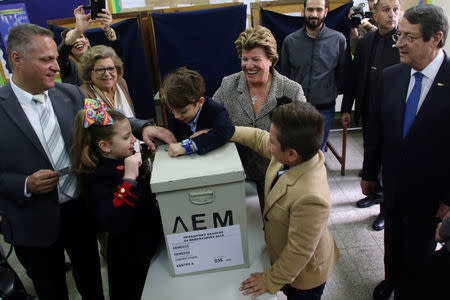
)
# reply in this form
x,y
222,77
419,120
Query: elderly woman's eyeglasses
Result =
x,y
102,70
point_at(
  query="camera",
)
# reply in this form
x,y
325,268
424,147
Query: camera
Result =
x,y
95,6
358,15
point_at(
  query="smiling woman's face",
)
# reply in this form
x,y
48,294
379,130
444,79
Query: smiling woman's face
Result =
x,y
108,79
256,65
80,46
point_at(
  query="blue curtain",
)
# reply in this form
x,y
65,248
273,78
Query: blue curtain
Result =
x,y
282,25
39,11
133,58
200,40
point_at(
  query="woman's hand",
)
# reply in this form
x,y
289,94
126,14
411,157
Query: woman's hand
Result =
x,y
105,18
132,164
81,20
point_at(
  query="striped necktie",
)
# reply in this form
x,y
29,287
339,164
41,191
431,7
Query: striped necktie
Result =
x,y
55,144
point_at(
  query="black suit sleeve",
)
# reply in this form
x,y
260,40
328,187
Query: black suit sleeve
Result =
x,y
214,117
351,83
373,147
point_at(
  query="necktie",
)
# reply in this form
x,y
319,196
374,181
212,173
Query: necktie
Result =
x,y
412,103
55,144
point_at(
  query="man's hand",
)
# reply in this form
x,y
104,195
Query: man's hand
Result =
x,y
42,181
197,133
368,187
151,135
176,150
132,164
365,23
443,211
345,118
350,13
253,285
438,237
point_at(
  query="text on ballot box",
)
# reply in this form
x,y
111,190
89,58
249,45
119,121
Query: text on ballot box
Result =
x,y
202,203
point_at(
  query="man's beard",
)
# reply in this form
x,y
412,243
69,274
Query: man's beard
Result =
x,y
315,25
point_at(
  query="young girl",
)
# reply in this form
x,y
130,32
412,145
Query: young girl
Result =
x,y
118,193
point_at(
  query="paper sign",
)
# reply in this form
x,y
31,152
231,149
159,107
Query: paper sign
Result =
x,y
205,249
133,3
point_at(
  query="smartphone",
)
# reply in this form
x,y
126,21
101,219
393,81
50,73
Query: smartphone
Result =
x,y
95,7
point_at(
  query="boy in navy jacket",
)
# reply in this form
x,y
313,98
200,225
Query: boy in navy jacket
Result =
x,y
200,123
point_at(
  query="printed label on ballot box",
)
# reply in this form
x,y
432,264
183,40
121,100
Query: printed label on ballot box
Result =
x,y
206,249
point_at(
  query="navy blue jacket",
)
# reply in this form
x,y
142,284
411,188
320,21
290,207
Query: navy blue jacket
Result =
x,y
213,116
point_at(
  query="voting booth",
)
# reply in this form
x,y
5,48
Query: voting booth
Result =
x,y
202,204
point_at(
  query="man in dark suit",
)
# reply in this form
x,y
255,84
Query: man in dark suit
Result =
x,y
373,53
47,215
407,135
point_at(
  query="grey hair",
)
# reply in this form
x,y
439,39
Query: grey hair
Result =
x,y
19,38
431,18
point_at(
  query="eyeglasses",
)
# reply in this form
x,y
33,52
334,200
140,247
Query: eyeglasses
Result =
x,y
408,37
101,70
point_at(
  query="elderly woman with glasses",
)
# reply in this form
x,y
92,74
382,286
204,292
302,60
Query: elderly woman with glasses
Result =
x,y
101,71
251,94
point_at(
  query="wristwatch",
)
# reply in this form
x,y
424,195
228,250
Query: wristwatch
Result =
x,y
187,143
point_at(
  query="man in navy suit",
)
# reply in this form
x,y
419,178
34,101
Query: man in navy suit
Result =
x,y
408,132
46,218
374,52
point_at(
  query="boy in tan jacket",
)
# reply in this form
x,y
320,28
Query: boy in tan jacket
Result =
x,y
297,203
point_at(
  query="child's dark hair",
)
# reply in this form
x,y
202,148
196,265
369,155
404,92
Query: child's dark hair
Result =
x,y
300,127
85,153
182,87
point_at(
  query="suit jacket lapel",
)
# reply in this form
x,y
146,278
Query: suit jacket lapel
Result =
x,y
60,104
13,108
274,93
244,97
400,101
273,194
438,91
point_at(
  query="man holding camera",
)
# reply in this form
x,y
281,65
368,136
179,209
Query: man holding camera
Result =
x,y
361,22
373,53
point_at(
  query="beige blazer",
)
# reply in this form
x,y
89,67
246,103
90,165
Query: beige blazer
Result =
x,y
301,248
90,93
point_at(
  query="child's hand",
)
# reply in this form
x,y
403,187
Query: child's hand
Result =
x,y
197,133
132,164
253,285
176,150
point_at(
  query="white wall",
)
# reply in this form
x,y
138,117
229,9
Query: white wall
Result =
x,y
445,4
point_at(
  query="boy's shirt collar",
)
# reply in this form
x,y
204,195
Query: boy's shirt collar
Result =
x,y
193,123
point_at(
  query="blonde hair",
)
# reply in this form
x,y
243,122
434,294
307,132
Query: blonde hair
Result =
x,y
85,153
259,36
92,55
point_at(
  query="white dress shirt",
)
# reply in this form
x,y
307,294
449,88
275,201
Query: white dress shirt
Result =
x,y
429,73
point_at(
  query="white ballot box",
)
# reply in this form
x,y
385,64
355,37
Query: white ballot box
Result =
x,y
212,286
202,204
